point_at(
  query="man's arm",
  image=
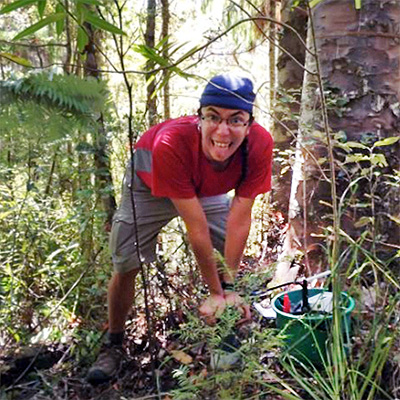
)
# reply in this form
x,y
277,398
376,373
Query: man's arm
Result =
x,y
197,228
237,232
199,236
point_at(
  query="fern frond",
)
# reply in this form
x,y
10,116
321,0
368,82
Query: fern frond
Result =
x,y
68,92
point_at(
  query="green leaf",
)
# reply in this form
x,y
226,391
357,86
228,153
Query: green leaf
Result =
x,y
356,145
313,3
363,221
82,39
5,214
102,24
162,42
17,4
16,59
39,25
41,7
355,158
177,48
188,54
379,159
85,147
80,13
365,171
343,146
151,55
357,3
61,23
387,142
395,219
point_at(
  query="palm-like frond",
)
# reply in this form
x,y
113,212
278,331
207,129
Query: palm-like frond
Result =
x,y
47,107
67,93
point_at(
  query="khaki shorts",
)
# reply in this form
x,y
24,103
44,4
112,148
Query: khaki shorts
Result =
x,y
152,214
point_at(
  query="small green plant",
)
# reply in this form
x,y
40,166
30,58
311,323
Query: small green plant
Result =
x,y
249,378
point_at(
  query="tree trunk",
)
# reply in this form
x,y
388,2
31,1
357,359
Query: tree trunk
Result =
x,y
272,54
151,103
165,54
305,178
68,55
290,78
103,175
360,63
359,55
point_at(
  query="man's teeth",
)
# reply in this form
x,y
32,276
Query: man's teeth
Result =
x,y
223,145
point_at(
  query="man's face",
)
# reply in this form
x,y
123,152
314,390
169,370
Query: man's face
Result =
x,y
222,131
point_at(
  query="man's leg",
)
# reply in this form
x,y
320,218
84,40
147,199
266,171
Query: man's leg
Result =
x,y
153,214
121,291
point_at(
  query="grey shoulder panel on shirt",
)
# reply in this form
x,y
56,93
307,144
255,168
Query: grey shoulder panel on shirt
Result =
x,y
143,160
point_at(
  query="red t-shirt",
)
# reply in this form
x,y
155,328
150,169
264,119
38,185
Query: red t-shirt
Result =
x,y
170,161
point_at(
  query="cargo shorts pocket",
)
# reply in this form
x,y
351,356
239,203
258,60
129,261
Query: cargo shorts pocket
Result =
x,y
122,240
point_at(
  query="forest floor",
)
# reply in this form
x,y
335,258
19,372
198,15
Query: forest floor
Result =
x,y
170,365
52,371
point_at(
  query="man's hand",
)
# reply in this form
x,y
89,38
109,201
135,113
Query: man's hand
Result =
x,y
212,308
233,299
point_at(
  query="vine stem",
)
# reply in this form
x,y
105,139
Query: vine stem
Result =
x,y
119,44
336,221
338,357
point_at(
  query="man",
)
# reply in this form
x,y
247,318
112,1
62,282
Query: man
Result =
x,y
185,167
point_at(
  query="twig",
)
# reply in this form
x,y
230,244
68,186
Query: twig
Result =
x,y
303,147
139,257
189,54
336,220
23,385
23,373
273,42
32,45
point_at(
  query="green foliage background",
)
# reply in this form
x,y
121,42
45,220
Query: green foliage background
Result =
x,y
55,124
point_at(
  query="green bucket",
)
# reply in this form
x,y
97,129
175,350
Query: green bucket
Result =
x,y
307,336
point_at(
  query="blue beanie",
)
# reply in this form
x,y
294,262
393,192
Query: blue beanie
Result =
x,y
229,91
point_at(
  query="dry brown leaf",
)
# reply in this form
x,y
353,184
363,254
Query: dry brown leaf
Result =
x,y
182,357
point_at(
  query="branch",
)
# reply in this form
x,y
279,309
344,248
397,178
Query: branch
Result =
x,y
19,44
191,53
252,19
274,43
283,125
88,34
336,219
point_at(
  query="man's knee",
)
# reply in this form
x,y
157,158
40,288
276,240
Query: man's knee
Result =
x,y
125,276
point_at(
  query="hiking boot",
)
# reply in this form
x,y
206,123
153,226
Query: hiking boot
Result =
x,y
107,365
227,355
223,361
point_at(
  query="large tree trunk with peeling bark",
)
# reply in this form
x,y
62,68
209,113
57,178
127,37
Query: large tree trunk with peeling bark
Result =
x,y
359,55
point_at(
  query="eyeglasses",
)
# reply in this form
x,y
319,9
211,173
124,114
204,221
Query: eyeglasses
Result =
x,y
233,122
